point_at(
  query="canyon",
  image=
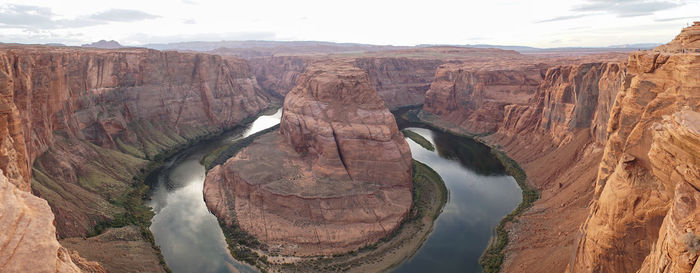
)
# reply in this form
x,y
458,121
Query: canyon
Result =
x,y
79,124
338,154
610,141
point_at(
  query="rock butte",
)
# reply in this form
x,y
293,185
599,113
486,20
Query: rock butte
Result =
x,y
335,178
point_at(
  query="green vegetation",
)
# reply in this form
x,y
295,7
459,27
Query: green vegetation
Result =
x,y
423,178
136,212
419,139
240,244
492,258
223,153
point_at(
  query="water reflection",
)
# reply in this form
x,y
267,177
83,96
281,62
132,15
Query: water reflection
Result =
x,y
189,236
480,195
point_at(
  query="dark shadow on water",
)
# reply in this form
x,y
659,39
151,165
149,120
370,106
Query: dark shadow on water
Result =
x,y
470,154
480,194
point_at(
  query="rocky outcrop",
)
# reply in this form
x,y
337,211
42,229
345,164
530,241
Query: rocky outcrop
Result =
x,y
103,112
550,115
336,178
556,138
28,235
635,215
400,81
569,98
80,123
278,74
674,157
474,98
688,41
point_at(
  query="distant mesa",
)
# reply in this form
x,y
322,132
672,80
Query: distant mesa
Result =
x,y
111,44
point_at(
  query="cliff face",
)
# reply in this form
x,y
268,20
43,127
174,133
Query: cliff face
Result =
x,y
80,123
556,137
400,81
647,179
569,98
279,74
339,156
474,98
549,117
674,157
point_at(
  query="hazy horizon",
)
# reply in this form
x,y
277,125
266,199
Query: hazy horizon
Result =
x,y
541,24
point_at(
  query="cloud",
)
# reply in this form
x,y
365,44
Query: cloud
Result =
x,y
563,18
628,8
121,15
189,21
675,18
620,8
36,17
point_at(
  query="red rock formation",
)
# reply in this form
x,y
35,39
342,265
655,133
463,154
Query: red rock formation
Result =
x,y
674,155
28,236
687,41
400,81
278,74
90,117
645,166
474,98
338,177
553,130
570,98
555,138
139,102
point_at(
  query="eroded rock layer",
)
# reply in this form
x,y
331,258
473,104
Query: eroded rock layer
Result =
x,y
474,98
400,81
337,176
28,236
549,117
648,176
80,123
401,77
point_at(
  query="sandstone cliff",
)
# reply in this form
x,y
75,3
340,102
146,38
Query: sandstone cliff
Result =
x,y
557,139
278,74
400,81
648,176
28,236
336,178
82,122
551,118
473,97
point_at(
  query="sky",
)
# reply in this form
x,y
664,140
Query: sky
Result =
x,y
538,23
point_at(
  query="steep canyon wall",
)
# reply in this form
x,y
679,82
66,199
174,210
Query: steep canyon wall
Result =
x,y
80,123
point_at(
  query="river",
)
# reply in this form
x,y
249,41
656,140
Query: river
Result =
x,y
480,194
188,234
